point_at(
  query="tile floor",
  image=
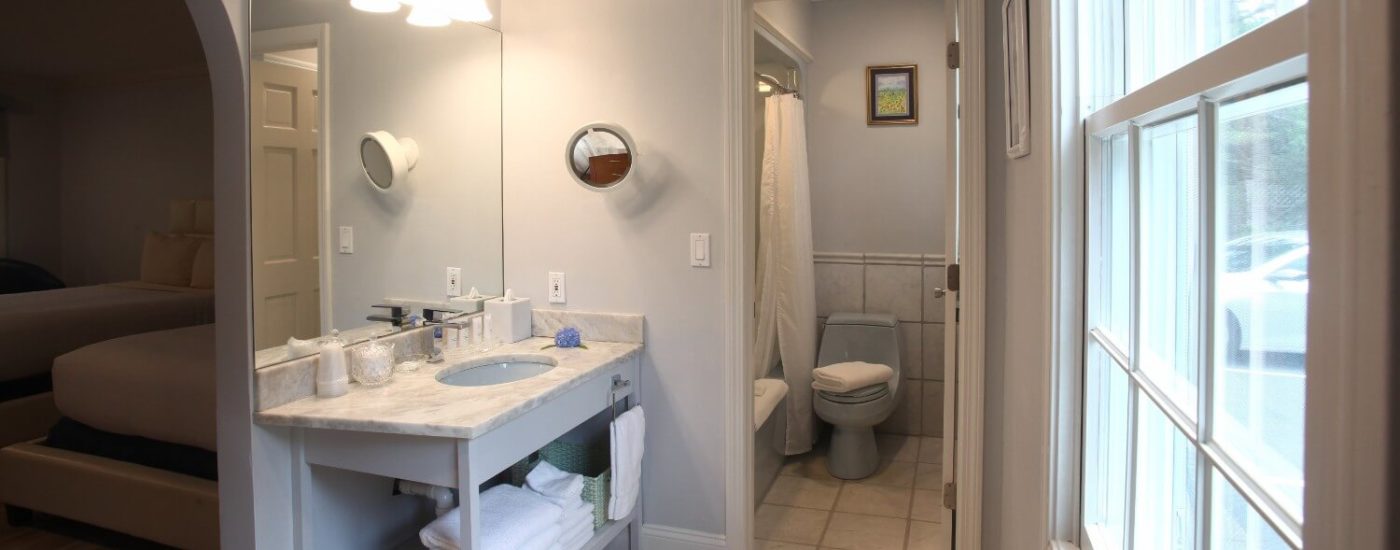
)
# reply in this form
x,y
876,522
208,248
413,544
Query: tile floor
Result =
x,y
897,508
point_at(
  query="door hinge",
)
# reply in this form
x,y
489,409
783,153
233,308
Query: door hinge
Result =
x,y
954,277
950,496
954,55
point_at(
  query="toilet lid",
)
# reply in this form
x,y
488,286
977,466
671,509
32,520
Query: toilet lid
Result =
x,y
862,395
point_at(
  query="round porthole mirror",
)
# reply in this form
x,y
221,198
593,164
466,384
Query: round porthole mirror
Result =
x,y
601,156
387,159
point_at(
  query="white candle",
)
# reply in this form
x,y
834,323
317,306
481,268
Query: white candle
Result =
x,y
332,379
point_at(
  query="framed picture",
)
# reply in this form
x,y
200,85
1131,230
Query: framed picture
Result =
x,y
892,94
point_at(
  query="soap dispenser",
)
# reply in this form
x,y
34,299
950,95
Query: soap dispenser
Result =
x,y
510,317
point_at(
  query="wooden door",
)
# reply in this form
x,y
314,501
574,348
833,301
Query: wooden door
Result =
x,y
286,259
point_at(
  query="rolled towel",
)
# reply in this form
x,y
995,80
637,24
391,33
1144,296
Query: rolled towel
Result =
x,y
562,488
850,376
510,518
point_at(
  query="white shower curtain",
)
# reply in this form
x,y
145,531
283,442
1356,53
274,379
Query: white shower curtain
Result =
x,y
787,296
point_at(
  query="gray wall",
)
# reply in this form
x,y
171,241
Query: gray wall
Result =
x,y
33,180
1017,323
128,150
442,88
791,17
625,251
876,188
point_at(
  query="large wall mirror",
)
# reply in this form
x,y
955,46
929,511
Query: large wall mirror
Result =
x,y
337,231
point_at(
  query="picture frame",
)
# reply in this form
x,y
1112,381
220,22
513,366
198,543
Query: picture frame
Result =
x,y
891,95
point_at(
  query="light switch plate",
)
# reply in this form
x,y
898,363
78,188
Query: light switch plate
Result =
x,y
454,281
700,250
347,239
557,294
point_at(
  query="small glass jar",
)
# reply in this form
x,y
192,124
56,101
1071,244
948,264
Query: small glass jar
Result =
x,y
373,364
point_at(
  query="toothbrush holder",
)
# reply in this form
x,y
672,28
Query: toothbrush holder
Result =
x,y
510,320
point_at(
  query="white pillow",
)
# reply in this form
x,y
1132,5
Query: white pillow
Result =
x,y
168,259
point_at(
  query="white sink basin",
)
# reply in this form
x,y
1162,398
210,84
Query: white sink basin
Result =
x,y
498,370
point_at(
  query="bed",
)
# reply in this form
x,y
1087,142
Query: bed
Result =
x,y
175,290
134,451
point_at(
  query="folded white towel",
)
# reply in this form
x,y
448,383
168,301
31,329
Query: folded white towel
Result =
x,y
850,376
510,519
580,512
628,438
575,538
562,488
544,540
764,404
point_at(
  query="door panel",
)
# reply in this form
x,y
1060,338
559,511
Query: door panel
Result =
x,y
286,271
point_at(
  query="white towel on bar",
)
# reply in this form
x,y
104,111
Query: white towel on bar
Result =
x,y
560,487
628,438
850,376
511,518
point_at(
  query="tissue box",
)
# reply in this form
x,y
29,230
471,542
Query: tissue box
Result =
x,y
510,320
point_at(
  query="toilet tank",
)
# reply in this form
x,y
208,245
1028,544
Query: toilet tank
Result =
x,y
869,337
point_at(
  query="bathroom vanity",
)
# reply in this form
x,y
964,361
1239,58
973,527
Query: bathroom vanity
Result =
x,y
419,427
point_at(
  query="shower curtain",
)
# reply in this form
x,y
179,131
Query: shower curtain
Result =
x,y
787,296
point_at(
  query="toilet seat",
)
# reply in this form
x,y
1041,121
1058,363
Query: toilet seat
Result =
x,y
857,396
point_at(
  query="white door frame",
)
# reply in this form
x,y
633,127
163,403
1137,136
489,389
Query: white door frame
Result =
x,y
738,400
313,36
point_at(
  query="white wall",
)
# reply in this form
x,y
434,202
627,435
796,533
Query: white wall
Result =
x,y
32,201
440,87
127,151
792,18
876,188
1017,323
625,251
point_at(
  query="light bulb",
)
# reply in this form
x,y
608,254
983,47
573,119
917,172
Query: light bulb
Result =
x,y
376,6
764,87
470,11
426,14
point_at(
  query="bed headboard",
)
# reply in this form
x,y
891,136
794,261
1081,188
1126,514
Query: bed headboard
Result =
x,y
192,217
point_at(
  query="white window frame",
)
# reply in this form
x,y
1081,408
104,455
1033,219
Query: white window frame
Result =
x,y
1272,55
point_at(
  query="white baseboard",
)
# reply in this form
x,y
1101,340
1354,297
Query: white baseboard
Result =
x,y
661,537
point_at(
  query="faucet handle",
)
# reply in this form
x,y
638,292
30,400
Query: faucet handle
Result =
x,y
431,313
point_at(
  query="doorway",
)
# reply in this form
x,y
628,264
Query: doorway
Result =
x,y
884,234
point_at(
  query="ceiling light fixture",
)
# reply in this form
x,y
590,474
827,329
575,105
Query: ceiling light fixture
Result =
x,y
428,14
376,6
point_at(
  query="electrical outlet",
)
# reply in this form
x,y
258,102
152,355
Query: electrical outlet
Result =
x,y
556,288
454,281
347,239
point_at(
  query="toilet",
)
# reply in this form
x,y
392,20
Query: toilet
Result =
x,y
869,337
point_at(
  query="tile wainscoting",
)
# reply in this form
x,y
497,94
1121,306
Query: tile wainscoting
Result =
x,y
902,284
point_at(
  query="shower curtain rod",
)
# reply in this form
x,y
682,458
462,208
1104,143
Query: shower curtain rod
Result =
x,y
774,82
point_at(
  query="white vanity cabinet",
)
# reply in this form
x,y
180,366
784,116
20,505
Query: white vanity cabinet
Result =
x,y
466,436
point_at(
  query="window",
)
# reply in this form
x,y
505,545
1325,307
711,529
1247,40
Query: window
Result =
x,y
1196,273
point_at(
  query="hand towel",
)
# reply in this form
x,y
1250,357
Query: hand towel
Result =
x,y
579,513
628,438
544,540
510,518
562,488
850,376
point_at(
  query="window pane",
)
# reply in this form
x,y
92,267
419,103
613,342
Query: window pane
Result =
x,y
1164,35
1110,238
1164,513
1261,288
1234,524
1106,448
1170,212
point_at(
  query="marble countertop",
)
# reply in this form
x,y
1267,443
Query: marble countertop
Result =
x,y
415,403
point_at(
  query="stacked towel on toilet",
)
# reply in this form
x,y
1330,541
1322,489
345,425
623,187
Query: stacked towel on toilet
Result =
x,y
566,491
850,376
